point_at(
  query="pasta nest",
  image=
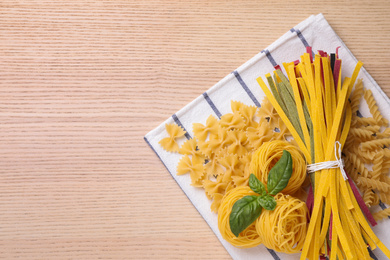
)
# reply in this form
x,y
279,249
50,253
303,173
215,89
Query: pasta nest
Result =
x,y
247,238
267,156
284,229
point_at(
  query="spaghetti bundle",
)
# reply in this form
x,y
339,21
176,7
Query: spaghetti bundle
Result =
x,y
284,229
269,153
313,104
247,238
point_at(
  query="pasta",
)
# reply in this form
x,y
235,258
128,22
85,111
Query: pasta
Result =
x,y
356,96
231,163
373,184
257,136
381,214
369,197
201,132
169,143
193,166
189,147
267,112
269,153
239,142
374,110
377,168
284,229
385,197
362,134
223,154
213,168
354,160
249,237
375,144
363,121
232,121
247,112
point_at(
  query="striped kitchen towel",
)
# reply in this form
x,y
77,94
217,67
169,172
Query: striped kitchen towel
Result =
x,y
241,85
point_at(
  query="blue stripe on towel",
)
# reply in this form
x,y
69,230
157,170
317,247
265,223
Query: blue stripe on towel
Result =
x,y
177,121
270,58
301,37
212,105
245,87
373,256
274,255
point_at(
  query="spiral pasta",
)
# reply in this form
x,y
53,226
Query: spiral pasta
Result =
x,y
247,238
375,144
377,168
369,197
357,163
385,198
269,153
363,121
374,110
373,184
381,214
284,229
362,134
356,96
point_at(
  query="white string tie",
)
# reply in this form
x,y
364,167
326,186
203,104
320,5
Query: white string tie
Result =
x,y
338,163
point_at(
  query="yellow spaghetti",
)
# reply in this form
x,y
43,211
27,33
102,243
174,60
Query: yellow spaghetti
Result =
x,y
269,153
284,229
247,238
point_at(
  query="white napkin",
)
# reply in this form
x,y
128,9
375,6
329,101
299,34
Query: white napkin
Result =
x,y
241,85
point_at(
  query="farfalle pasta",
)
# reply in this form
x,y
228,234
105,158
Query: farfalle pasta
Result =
x,y
169,143
201,132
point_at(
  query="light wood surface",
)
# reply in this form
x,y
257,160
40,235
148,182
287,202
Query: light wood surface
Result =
x,y
83,81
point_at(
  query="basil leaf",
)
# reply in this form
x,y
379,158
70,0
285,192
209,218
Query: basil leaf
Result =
x,y
267,201
280,174
256,185
244,212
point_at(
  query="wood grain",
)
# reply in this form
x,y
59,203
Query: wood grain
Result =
x,y
83,81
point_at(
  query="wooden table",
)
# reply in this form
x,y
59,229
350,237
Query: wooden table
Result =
x,y
82,82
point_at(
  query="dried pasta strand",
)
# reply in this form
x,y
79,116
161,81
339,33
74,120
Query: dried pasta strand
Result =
x,y
381,214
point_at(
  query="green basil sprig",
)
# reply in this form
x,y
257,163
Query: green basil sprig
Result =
x,y
280,174
246,210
